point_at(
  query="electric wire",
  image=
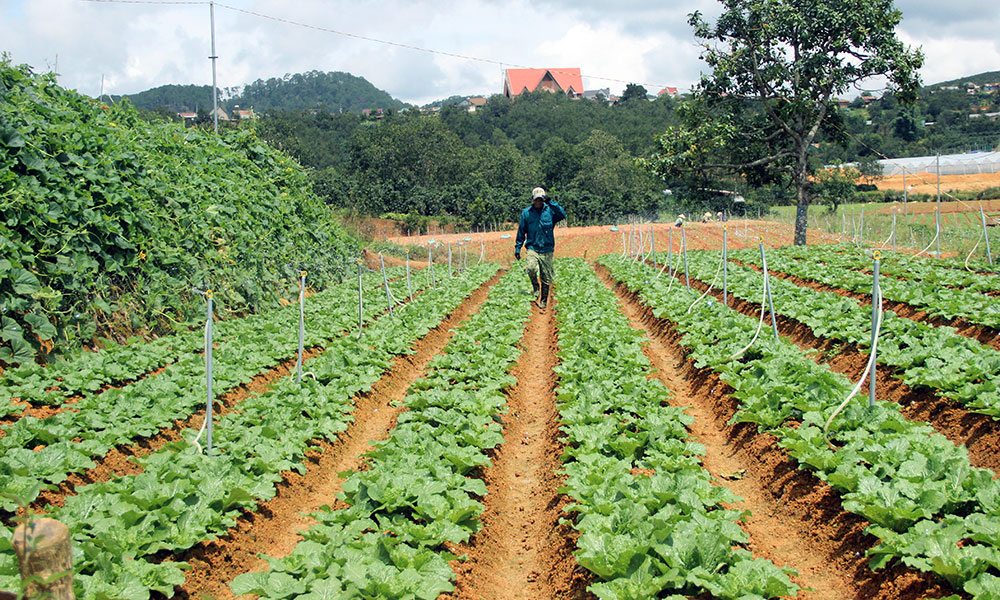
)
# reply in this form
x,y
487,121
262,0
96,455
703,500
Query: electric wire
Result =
x,y
372,39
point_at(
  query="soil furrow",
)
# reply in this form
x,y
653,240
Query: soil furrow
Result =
x,y
119,461
274,529
795,519
43,411
980,433
522,552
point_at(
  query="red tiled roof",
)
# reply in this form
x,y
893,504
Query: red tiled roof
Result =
x,y
519,80
670,91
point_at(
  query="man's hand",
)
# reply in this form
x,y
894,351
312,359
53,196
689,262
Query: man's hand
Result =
x,y
517,254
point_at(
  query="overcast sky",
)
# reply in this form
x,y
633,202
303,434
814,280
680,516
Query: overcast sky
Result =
x,y
136,45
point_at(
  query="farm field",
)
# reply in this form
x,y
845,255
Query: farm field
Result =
x,y
926,183
596,240
642,437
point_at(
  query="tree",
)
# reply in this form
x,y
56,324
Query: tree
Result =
x,y
777,66
836,186
633,91
869,170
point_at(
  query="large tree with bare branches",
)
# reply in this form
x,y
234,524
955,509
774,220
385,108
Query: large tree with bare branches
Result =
x,y
777,68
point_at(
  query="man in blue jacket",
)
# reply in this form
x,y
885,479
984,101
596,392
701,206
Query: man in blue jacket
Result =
x,y
535,233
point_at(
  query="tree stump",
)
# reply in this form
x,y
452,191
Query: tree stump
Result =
x,y
43,551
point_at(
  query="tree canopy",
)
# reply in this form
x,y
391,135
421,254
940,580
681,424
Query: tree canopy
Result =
x,y
777,68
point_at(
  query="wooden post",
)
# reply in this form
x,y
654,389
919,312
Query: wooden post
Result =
x,y
43,550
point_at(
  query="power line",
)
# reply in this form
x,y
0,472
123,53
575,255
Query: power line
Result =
x,y
364,37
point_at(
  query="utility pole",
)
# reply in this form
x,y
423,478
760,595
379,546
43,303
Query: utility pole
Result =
x,y
215,92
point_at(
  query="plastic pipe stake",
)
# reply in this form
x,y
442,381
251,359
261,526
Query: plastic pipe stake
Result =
x,y
302,325
409,284
937,228
208,369
876,309
385,281
767,290
684,250
652,237
360,301
989,257
670,251
430,263
894,231
725,266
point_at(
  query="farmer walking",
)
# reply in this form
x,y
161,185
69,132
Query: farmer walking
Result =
x,y
534,232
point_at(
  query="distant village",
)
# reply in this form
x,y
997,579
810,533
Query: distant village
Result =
x,y
570,81
516,82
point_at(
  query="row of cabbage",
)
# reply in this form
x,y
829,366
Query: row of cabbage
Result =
x,y
651,520
44,451
420,491
924,356
183,496
91,371
931,297
903,266
928,506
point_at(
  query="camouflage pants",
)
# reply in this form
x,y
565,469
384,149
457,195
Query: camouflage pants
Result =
x,y
535,262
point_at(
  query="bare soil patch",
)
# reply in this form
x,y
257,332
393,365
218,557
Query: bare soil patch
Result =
x,y
522,552
926,183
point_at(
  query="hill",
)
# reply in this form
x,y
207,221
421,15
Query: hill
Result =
x,y
980,79
332,92
111,221
174,98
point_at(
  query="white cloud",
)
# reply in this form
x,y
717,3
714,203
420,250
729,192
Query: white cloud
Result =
x,y
952,58
138,46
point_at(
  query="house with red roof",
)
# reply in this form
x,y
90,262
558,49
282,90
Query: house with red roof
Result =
x,y
519,81
669,91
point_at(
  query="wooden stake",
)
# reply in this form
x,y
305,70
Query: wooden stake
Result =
x,y
43,552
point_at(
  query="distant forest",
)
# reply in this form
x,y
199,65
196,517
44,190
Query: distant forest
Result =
x,y
330,92
478,167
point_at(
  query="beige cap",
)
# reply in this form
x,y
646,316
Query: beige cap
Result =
x,y
537,193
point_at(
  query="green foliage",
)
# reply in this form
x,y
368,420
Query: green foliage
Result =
x,y
420,489
931,509
331,92
480,166
334,91
662,528
776,68
183,497
109,221
176,98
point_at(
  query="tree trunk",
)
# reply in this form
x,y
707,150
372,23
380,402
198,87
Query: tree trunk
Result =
x,y
45,559
802,204
801,216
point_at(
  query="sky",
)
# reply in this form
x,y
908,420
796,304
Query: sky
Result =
x,y
132,45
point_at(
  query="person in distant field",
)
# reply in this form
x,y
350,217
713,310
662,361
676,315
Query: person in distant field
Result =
x,y
680,220
722,217
534,232
705,218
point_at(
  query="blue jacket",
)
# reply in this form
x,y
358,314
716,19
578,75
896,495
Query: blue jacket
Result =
x,y
535,228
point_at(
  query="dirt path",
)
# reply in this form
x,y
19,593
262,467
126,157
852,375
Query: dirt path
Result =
x,y
795,520
274,528
523,552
